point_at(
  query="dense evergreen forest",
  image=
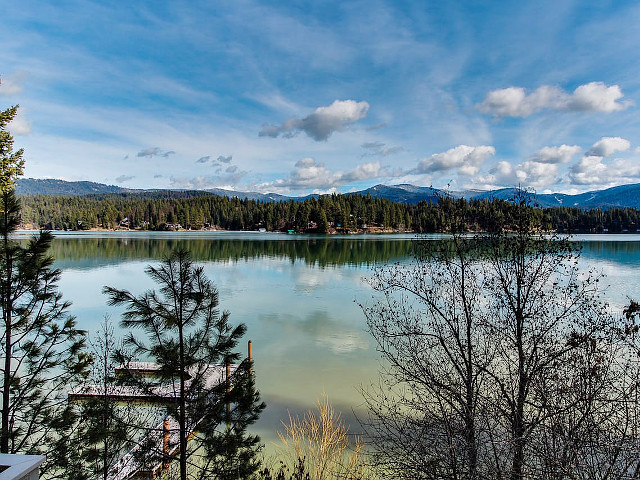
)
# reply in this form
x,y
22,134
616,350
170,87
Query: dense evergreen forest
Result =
x,y
330,213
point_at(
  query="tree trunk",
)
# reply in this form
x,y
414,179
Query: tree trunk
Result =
x,y
6,385
7,318
518,412
470,393
182,420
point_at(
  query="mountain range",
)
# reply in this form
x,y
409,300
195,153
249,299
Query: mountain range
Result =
x,y
621,196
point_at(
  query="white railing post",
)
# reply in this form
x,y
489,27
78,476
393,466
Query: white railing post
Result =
x,y
20,467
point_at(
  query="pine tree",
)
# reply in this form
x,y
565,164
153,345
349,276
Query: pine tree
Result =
x,y
189,341
41,346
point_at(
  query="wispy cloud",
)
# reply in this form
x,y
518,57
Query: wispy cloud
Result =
x,y
12,84
217,161
155,152
322,123
124,178
229,180
379,149
432,79
375,127
20,125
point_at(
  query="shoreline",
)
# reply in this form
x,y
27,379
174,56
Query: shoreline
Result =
x,y
372,232
368,231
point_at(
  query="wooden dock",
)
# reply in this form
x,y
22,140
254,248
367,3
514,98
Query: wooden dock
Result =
x,y
161,394
164,438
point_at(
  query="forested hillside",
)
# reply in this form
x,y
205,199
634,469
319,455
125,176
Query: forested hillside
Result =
x,y
340,213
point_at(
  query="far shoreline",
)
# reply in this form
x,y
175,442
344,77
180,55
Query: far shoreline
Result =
x,y
331,231
360,232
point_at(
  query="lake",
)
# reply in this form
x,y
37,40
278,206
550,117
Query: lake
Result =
x,y
297,295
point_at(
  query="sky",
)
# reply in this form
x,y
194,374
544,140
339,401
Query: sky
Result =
x,y
298,97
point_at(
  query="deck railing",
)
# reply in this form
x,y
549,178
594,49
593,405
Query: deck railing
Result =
x,y
20,467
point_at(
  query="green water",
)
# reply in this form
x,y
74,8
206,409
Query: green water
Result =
x,y
296,294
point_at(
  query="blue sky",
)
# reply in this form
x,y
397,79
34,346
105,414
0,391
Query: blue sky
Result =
x,y
307,96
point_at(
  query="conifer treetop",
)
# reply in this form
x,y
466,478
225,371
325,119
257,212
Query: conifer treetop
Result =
x,y
11,163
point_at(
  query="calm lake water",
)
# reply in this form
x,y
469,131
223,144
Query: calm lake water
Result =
x,y
296,294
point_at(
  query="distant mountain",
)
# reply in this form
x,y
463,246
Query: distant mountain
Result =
x,y
621,196
539,199
263,197
403,193
411,194
49,186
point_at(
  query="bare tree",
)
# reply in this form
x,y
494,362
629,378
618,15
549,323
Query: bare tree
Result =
x,y
107,428
428,328
499,357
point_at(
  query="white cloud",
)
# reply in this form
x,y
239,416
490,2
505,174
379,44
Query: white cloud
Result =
x,y
559,154
327,191
526,174
323,122
607,146
124,178
514,102
465,159
223,159
537,174
365,171
310,174
503,170
597,97
591,170
204,159
543,169
591,97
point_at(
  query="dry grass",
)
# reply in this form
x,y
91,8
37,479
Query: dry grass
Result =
x,y
321,439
